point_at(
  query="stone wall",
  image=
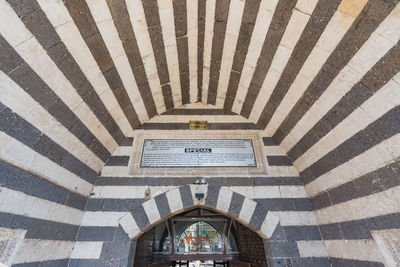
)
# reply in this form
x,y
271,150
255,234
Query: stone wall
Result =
x,y
274,205
320,77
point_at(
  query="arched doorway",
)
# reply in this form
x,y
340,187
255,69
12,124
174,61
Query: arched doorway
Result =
x,y
200,237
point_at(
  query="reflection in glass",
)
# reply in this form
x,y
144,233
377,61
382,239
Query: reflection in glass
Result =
x,y
199,238
197,231
162,242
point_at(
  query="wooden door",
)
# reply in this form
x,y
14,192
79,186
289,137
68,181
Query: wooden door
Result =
x,y
239,264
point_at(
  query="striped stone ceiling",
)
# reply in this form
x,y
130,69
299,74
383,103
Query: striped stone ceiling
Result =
x,y
319,80
105,67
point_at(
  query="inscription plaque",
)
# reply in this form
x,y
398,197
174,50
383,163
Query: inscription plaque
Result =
x,y
198,153
198,125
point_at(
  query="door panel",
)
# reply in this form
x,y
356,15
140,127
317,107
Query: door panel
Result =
x,y
239,264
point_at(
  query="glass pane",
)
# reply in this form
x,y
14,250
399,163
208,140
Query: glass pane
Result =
x,y
162,241
232,246
198,238
208,212
194,212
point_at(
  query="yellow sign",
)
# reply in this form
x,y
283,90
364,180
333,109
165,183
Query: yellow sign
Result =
x,y
198,125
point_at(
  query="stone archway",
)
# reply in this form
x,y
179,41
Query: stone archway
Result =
x,y
222,200
177,200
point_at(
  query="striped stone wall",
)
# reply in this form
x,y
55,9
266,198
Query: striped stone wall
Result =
x,y
275,206
43,191
78,78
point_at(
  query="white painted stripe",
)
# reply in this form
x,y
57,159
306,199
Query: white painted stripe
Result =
x,y
228,53
174,200
128,192
192,34
247,210
208,37
382,203
25,106
109,33
139,24
314,248
36,250
150,207
19,203
363,250
26,158
293,218
102,218
166,11
123,151
224,199
264,17
293,31
59,17
367,113
372,159
209,118
334,31
34,54
366,57
87,250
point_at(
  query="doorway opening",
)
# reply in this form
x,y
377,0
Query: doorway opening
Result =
x,y
200,238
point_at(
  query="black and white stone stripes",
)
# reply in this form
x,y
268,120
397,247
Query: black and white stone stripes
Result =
x,y
319,77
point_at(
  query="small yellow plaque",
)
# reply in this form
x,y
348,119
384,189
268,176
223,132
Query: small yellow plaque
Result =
x,y
198,125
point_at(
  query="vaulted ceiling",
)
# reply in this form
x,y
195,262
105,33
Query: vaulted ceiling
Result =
x,y
103,68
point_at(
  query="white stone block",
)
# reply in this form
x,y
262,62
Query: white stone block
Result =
x,y
56,12
150,207
224,199
247,210
129,225
363,250
16,34
36,250
269,224
314,248
174,200
87,250
295,27
101,218
293,218
11,241
388,242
